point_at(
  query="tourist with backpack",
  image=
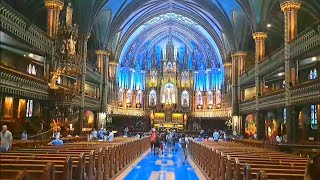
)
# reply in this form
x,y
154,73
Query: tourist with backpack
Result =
x,y
183,142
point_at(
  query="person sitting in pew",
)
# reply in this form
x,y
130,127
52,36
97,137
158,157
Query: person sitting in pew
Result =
x,y
216,136
94,134
24,135
101,134
56,142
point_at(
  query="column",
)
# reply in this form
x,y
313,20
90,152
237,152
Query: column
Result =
x,y
54,7
290,9
237,57
83,53
134,98
259,38
102,66
306,116
124,102
228,73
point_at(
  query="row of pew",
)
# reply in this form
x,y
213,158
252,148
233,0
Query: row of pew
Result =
x,y
18,144
229,160
86,160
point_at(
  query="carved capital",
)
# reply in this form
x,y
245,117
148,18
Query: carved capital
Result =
x,y
102,52
113,63
290,6
227,64
54,4
259,36
238,54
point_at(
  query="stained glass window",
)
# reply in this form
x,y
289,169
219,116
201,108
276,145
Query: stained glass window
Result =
x,y
29,108
313,74
314,117
284,115
31,69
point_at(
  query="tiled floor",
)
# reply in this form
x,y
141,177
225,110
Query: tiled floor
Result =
x,y
168,167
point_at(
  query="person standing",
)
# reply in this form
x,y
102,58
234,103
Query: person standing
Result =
x,y
183,142
216,136
111,136
153,140
6,139
170,142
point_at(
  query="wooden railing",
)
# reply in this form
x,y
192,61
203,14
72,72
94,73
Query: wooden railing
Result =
x,y
306,40
14,23
18,83
309,91
302,93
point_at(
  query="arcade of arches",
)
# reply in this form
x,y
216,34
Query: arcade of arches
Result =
x,y
246,67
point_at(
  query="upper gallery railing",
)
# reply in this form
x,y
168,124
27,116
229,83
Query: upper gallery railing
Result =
x,y
306,40
14,23
306,92
18,83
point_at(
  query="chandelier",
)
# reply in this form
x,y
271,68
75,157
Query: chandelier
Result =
x,y
66,59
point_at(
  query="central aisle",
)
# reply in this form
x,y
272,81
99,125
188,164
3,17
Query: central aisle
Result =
x,y
153,167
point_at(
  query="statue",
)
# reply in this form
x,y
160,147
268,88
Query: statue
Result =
x,y
69,15
63,47
71,46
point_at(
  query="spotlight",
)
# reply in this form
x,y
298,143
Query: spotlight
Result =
x,y
269,25
280,74
313,59
31,55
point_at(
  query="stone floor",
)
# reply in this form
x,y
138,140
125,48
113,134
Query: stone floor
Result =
x,y
167,167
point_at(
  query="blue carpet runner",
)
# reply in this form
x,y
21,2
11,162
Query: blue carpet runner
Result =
x,y
153,167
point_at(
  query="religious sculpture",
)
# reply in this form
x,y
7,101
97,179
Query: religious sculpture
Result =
x,y
71,46
69,13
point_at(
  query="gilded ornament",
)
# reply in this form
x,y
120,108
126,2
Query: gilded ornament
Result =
x,y
238,54
259,35
290,6
54,4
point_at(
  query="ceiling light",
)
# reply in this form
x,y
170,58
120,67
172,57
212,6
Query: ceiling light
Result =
x,y
31,55
280,74
268,25
313,59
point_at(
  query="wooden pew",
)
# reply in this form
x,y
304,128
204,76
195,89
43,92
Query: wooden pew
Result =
x,y
231,161
13,175
94,159
45,172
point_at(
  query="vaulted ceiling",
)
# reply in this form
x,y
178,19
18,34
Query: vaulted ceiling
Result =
x,y
229,23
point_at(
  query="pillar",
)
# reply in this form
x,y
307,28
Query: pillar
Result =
x,y
228,73
83,47
236,58
112,68
306,116
134,98
102,66
54,7
259,38
290,9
